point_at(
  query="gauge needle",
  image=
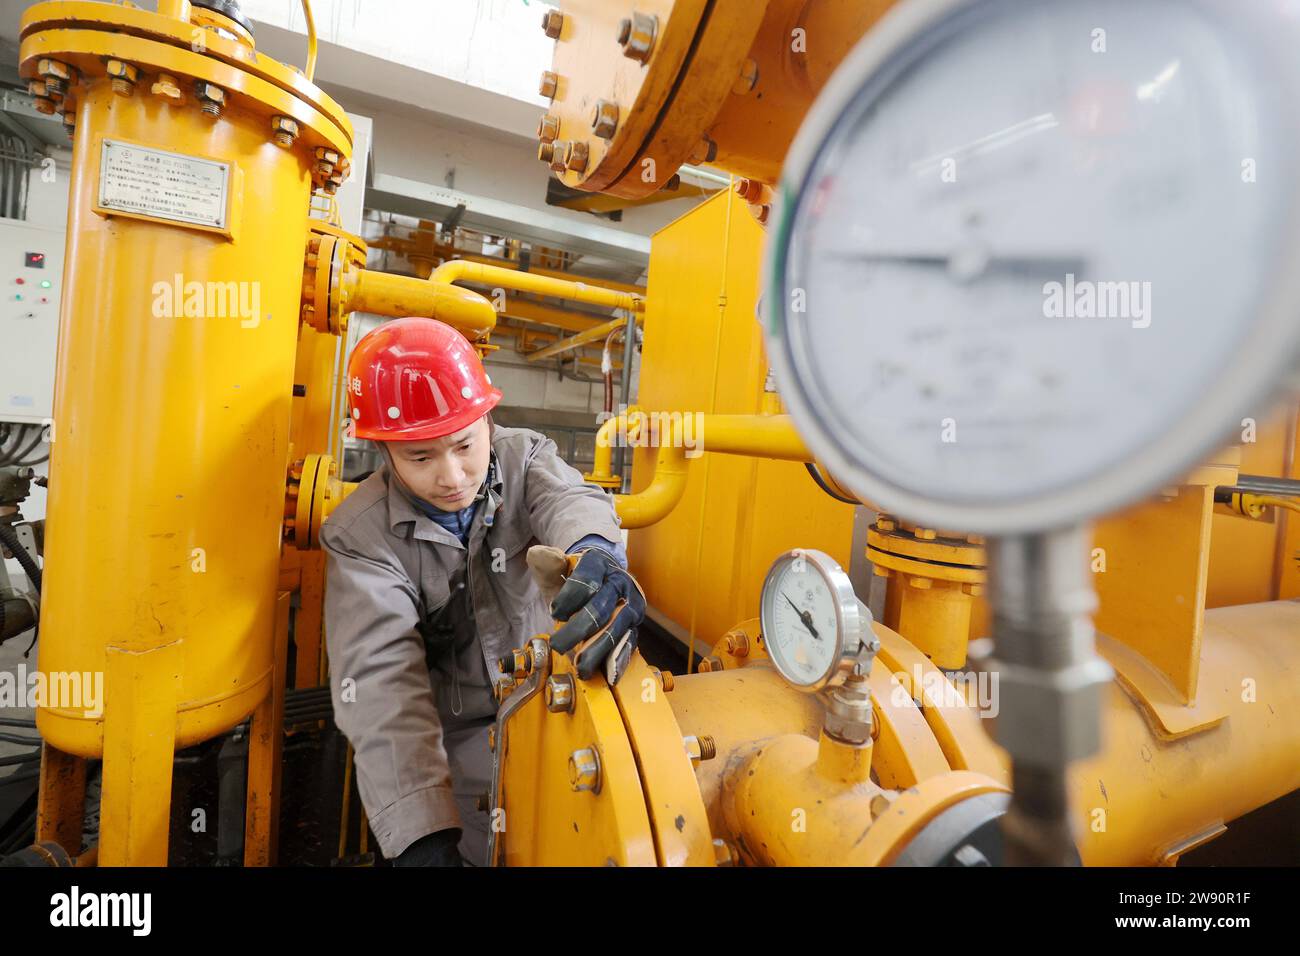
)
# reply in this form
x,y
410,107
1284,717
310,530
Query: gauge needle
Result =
x,y
804,616
969,264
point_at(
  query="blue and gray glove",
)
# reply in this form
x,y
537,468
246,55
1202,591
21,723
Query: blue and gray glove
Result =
x,y
600,604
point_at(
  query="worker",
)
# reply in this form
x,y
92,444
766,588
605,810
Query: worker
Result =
x,y
440,564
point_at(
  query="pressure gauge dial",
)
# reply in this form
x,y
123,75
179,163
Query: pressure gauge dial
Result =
x,y
1033,259
810,617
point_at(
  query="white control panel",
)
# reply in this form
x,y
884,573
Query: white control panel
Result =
x,y
31,280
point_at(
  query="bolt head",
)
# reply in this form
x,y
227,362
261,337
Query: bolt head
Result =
x,y
45,105
167,87
575,157
748,78
550,83
584,770
560,148
604,119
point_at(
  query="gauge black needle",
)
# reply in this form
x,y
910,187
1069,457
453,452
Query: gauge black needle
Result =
x,y
1028,265
804,616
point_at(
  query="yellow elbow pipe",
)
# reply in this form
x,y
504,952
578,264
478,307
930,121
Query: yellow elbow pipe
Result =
x,y
460,270
759,436
382,293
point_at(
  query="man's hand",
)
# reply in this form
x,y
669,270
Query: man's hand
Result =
x,y
601,604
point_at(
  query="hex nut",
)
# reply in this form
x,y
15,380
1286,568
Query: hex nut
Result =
x,y
124,76
120,69
559,694
738,645
604,119
553,24
546,152
548,127
706,151
584,770
550,83
284,130
636,35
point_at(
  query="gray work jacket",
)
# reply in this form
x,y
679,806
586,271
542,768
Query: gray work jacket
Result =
x,y
415,622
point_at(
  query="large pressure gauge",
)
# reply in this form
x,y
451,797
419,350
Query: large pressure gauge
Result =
x,y
1035,258
810,617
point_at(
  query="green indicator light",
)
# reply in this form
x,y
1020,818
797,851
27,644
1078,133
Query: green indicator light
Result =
x,y
45,283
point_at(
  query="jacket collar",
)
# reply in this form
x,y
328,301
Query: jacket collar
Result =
x,y
402,510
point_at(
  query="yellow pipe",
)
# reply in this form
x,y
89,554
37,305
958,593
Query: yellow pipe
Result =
x,y
1147,796
176,9
759,436
382,293
596,333
458,270
310,71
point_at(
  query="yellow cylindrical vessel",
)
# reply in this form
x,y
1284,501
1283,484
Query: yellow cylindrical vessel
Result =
x,y
175,371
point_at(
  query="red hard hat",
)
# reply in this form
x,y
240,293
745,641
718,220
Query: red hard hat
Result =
x,y
414,379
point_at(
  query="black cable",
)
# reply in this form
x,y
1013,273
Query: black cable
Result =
x,y
17,721
18,458
9,538
24,836
19,777
15,739
20,758
821,483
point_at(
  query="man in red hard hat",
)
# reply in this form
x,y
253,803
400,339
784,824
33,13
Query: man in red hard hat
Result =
x,y
429,584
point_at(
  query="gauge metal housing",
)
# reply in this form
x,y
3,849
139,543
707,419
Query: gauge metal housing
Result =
x,y
850,621
1231,384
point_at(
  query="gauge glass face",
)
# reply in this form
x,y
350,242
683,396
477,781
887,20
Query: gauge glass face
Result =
x,y
1026,248
801,622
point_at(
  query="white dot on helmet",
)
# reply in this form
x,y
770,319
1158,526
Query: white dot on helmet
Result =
x,y
393,411
465,392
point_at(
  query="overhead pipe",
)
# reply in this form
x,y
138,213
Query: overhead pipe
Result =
x,y
460,270
382,293
596,333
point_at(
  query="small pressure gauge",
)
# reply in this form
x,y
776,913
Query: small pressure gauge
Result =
x,y
1033,259
810,617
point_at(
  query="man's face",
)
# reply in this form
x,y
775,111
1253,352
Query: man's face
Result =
x,y
447,471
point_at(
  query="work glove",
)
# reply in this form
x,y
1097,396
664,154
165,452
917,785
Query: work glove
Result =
x,y
436,849
600,603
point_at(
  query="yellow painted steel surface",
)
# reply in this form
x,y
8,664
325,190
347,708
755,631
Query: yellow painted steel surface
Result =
x,y
735,514
548,823
183,551
676,810
1147,794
